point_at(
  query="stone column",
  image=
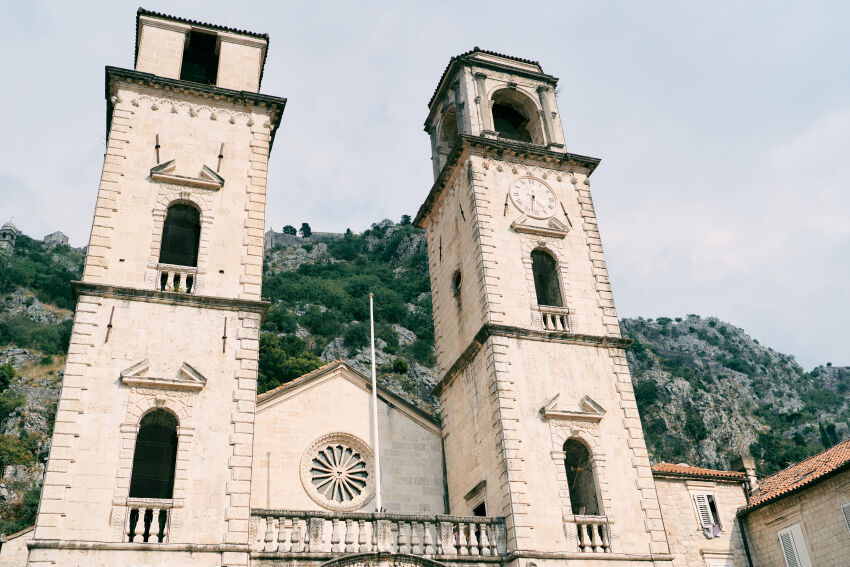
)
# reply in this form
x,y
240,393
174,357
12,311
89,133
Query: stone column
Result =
x,y
547,103
484,106
459,110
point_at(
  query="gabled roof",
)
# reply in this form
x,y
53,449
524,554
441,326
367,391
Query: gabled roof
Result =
x,y
350,373
686,471
800,476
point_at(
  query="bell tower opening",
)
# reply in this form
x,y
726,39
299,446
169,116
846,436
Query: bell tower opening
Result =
x,y
581,478
514,117
200,60
181,235
155,456
546,285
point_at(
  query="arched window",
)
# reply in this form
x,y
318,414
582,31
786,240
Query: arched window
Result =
x,y
546,278
155,456
581,479
180,236
515,117
448,129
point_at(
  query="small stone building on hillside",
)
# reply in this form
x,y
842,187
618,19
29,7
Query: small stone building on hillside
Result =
x,y
8,236
800,516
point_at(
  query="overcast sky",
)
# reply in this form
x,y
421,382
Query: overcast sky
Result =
x,y
723,129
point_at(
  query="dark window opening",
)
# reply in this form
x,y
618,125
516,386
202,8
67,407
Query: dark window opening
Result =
x,y
546,284
448,129
155,456
200,61
456,281
712,505
510,123
480,510
180,236
580,478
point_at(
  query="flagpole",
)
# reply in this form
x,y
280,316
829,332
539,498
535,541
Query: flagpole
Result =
x,y
375,410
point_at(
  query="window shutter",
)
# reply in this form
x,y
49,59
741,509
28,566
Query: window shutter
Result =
x,y
794,547
845,508
706,518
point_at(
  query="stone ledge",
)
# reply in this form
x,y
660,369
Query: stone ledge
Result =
x,y
153,296
122,546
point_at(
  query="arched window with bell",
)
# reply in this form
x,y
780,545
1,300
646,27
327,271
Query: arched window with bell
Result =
x,y
581,478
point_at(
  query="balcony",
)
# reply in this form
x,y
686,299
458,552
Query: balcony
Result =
x,y
279,534
177,279
147,520
593,533
556,319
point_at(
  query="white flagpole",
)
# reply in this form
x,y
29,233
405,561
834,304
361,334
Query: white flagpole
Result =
x,y
375,410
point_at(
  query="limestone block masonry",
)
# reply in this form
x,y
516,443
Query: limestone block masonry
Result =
x,y
182,339
520,378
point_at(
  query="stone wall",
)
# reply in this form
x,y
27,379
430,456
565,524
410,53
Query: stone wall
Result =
x,y
818,511
688,543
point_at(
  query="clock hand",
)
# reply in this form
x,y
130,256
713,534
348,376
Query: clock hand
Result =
x,y
532,202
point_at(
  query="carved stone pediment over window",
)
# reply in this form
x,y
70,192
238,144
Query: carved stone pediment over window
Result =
x,y
588,410
207,179
552,227
187,378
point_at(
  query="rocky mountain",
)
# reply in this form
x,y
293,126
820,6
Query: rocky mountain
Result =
x,y
706,390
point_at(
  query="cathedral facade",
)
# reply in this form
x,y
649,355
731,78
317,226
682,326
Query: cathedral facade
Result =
x,y
163,453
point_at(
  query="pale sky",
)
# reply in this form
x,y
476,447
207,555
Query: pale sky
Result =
x,y
723,129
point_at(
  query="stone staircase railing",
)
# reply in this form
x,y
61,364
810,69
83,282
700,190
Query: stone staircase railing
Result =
x,y
299,532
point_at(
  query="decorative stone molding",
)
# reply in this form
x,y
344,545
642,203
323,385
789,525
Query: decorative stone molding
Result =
x,y
175,106
590,410
553,228
141,401
586,431
167,195
187,378
208,179
338,472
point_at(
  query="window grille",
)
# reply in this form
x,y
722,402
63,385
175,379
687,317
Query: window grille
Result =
x,y
794,547
546,277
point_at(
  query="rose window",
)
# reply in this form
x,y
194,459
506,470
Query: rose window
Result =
x,y
337,472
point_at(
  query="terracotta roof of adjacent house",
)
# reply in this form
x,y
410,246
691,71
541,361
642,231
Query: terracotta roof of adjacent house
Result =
x,y
684,470
470,52
799,476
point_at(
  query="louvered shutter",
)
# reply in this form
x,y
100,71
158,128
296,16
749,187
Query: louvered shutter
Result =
x,y
706,518
845,508
794,547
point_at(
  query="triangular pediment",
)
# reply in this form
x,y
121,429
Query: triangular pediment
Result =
x,y
208,178
552,227
187,378
588,410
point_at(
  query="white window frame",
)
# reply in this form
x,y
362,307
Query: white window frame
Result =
x,y
793,546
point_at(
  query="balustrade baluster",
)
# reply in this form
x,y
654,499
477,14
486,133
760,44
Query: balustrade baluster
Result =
x,y
484,540
296,535
335,547
597,540
461,539
361,536
473,539
429,540
403,546
415,547
307,529
581,536
606,542
282,537
270,543
349,536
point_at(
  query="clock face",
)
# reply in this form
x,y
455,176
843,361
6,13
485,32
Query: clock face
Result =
x,y
533,197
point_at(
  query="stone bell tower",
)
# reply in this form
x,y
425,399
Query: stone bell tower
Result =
x,y
150,462
538,413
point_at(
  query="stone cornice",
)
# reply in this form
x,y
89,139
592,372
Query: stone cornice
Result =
x,y
273,104
489,330
169,297
466,145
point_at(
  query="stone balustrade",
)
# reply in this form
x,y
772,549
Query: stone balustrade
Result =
x,y
147,520
291,532
594,535
555,318
180,279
